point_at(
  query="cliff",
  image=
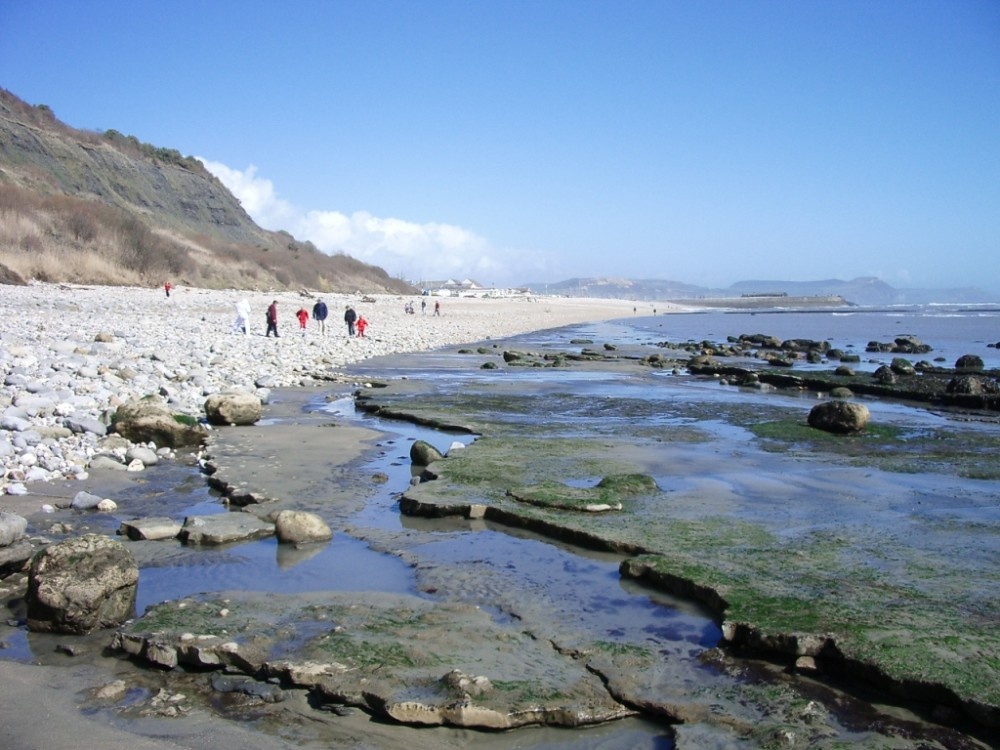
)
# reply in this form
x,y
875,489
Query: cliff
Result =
x,y
106,208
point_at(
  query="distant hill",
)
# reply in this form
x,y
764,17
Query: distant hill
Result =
x,y
867,291
105,208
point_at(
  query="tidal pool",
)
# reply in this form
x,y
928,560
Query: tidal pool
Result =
x,y
656,651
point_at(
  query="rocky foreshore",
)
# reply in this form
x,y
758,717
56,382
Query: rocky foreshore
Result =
x,y
70,356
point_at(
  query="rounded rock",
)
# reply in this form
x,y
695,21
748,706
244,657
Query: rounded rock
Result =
x,y
841,417
299,527
80,585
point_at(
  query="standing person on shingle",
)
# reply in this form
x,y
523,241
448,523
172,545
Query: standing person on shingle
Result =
x,y
319,315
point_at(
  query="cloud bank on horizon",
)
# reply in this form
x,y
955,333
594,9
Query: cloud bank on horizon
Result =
x,y
405,249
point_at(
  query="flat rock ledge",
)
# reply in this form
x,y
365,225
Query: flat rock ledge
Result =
x,y
397,657
224,528
150,529
221,528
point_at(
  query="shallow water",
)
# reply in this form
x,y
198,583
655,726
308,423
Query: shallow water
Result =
x,y
172,570
943,520
344,564
561,590
574,589
951,331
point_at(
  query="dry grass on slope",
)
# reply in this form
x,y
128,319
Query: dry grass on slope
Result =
x,y
59,238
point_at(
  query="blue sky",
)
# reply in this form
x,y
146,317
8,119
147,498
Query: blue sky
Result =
x,y
521,141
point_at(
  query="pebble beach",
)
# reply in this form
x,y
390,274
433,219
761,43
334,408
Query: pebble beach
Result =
x,y
70,355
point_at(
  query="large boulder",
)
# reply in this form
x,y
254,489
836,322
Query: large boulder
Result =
x,y
885,375
233,408
902,366
842,417
300,527
148,419
80,585
423,453
969,362
910,345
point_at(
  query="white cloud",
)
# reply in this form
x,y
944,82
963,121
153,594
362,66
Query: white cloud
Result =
x,y
403,248
255,193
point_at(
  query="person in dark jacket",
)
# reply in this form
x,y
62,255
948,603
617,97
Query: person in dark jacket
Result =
x,y
350,317
319,315
272,319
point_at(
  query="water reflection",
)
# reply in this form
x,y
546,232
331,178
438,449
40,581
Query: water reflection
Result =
x,y
343,564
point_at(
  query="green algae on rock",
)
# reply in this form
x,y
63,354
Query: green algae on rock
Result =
x,y
401,658
861,602
606,495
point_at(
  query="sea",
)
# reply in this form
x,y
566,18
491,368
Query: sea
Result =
x,y
951,331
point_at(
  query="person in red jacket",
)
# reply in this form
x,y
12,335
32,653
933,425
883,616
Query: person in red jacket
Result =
x,y
167,287
303,316
362,325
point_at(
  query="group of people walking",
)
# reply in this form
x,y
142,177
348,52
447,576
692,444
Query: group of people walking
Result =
x,y
408,308
356,324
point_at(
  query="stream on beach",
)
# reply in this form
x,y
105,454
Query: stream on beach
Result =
x,y
554,588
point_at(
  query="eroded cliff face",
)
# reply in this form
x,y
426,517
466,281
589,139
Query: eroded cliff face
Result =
x,y
105,208
40,153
